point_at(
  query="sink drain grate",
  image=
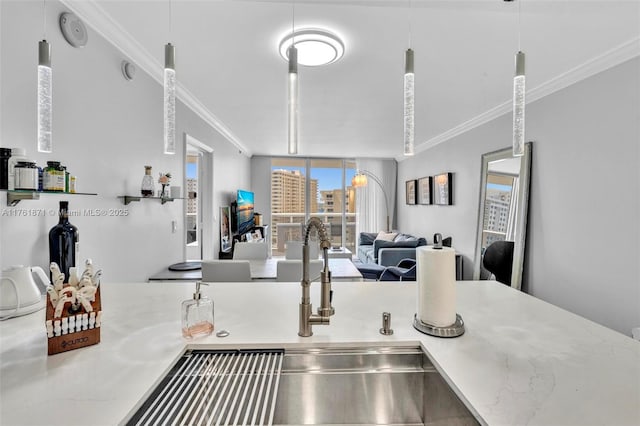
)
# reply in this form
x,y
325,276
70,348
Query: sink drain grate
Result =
x,y
208,387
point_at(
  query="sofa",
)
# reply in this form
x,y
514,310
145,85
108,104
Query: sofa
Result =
x,y
387,249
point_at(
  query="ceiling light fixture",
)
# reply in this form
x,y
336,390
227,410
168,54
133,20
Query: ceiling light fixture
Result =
x,y
45,91
409,97
169,95
316,47
519,90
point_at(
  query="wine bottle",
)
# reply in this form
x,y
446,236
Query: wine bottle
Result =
x,y
62,242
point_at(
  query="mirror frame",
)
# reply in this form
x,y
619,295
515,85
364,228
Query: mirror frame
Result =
x,y
521,214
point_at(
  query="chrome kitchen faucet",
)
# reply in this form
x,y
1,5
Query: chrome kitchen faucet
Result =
x,y
307,318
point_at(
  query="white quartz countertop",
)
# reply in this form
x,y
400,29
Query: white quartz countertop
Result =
x,y
521,360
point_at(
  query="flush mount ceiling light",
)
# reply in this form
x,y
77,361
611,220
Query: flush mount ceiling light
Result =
x,y
315,46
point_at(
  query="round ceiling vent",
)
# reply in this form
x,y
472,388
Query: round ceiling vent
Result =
x,y
73,30
128,70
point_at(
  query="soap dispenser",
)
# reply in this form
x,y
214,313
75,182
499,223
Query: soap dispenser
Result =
x,y
197,315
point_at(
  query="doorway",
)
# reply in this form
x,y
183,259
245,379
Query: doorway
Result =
x,y
198,213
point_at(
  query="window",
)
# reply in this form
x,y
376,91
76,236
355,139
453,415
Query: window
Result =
x,y
497,206
193,206
301,188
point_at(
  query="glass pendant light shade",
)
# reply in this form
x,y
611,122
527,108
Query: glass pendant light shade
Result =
x,y
293,100
359,180
518,106
45,92
409,91
169,99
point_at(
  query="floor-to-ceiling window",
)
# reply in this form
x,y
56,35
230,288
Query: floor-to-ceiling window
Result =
x,y
192,222
301,188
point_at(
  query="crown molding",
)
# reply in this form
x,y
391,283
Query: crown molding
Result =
x,y
102,23
609,59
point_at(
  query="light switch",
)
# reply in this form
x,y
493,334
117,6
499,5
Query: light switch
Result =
x,y
174,226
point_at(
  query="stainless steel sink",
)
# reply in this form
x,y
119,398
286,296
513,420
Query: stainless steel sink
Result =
x,y
365,386
315,386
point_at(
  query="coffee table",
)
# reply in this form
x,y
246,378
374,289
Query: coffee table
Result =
x,y
340,253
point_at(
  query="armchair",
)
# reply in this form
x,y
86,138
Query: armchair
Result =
x,y
405,270
498,259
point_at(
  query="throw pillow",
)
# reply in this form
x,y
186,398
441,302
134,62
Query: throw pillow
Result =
x,y
405,237
386,236
367,238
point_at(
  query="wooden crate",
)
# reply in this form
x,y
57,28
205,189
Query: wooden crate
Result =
x,y
75,340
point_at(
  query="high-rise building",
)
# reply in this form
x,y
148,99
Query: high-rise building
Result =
x,y
192,200
288,192
496,215
288,205
333,200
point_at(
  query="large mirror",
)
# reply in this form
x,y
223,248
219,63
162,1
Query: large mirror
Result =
x,y
502,216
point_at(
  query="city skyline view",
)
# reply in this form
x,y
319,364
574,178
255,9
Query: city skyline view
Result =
x,y
328,178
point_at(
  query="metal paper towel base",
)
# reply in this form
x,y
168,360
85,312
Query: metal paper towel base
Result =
x,y
454,330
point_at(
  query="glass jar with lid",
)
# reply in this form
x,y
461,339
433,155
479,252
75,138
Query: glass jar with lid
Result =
x,y
147,188
53,178
26,175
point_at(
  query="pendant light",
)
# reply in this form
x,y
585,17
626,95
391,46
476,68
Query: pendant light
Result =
x,y
409,90
293,90
169,95
293,100
409,98
519,89
45,92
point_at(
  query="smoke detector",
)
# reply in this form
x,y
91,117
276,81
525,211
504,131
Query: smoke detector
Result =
x,y
73,30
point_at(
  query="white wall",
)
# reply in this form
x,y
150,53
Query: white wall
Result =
x,y
583,243
105,130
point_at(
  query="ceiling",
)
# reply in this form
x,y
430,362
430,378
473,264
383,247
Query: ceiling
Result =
x,y
230,72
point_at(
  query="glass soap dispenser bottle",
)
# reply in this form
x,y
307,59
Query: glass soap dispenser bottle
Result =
x,y
197,315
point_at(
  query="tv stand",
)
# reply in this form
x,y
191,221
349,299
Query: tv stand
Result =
x,y
264,231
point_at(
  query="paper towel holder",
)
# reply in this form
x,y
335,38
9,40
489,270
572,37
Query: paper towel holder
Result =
x,y
454,330
437,241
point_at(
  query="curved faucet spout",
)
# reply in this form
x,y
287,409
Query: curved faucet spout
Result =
x,y
315,222
307,318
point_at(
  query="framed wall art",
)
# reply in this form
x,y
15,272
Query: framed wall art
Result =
x,y
225,229
424,190
443,189
411,191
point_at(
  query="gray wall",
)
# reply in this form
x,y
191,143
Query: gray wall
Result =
x,y
583,243
105,130
261,186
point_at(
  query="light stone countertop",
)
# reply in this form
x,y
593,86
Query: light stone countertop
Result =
x,y
521,360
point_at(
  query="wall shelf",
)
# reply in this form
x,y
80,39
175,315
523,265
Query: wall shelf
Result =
x,y
15,196
126,199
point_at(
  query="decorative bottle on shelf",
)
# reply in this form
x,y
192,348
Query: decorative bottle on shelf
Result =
x,y
148,186
197,315
63,240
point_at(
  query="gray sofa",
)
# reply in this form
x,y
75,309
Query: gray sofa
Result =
x,y
387,253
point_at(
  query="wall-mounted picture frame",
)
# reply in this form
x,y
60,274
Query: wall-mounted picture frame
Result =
x,y
411,191
225,229
425,193
443,189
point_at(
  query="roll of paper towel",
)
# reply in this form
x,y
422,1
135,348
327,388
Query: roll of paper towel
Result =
x,y
436,272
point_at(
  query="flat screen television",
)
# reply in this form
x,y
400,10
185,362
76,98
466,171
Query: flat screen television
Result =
x,y
244,211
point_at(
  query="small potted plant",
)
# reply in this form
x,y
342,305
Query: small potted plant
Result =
x,y
164,180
